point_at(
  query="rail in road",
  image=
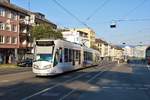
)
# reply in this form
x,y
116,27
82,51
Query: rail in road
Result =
x,y
31,85
108,82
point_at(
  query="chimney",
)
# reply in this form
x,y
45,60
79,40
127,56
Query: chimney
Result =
x,y
6,1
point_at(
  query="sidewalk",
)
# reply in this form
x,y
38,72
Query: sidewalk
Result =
x,y
11,69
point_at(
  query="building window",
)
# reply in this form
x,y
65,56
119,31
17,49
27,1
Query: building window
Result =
x,y
2,11
8,27
14,15
14,28
14,40
2,26
8,14
1,39
8,40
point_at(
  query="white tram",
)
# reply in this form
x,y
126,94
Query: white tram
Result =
x,y
57,56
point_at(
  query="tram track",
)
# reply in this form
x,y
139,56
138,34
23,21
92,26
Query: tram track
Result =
x,y
99,71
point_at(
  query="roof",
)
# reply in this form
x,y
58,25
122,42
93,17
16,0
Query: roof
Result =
x,y
100,41
24,11
117,47
14,7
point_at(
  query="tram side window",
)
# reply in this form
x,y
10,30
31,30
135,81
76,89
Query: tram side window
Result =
x,y
88,56
66,56
60,55
70,55
56,58
77,54
85,55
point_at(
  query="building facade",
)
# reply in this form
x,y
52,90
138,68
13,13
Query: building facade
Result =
x,y
139,51
13,32
91,36
15,23
76,36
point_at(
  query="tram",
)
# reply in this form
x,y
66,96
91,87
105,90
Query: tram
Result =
x,y
58,56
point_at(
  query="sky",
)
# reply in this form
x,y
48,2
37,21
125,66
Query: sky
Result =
x,y
106,11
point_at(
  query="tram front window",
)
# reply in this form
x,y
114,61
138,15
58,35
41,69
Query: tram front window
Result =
x,y
44,57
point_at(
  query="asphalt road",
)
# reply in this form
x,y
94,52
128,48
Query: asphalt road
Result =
x,y
108,82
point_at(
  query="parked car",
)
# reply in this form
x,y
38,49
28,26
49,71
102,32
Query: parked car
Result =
x,y
25,63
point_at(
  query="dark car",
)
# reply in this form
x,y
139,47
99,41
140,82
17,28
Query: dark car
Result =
x,y
25,63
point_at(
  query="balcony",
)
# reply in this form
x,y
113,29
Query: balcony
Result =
x,y
24,31
24,21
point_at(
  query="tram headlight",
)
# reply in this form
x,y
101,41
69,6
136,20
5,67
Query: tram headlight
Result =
x,y
47,67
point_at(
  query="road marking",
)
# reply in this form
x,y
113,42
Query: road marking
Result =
x,y
130,88
44,90
74,90
143,88
147,85
94,88
106,87
148,67
3,81
50,94
67,94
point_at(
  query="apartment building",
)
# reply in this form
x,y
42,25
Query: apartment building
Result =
x,y
13,31
103,47
119,53
91,36
139,51
37,18
15,23
77,36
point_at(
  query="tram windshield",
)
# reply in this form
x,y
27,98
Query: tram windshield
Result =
x,y
44,57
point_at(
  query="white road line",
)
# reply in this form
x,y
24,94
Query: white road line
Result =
x,y
67,94
147,85
95,76
106,87
130,88
148,67
143,88
50,94
3,81
44,90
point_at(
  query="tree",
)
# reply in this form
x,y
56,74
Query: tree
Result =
x,y
45,31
